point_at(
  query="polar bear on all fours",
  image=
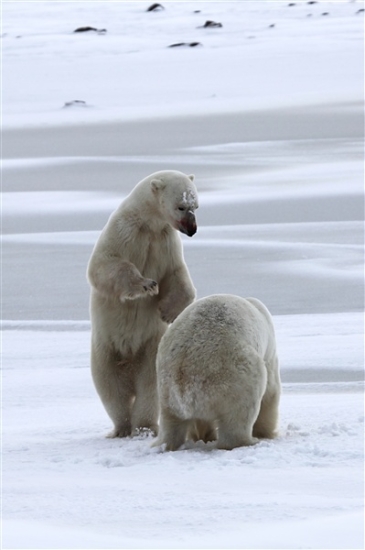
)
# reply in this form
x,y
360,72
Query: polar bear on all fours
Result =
x,y
218,375
139,283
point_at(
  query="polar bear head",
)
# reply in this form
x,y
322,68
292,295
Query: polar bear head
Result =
x,y
177,198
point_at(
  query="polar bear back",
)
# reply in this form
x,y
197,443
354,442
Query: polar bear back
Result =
x,y
218,322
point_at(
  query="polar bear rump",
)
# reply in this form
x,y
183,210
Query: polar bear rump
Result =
x,y
218,375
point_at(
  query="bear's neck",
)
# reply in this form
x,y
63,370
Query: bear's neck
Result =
x,y
144,210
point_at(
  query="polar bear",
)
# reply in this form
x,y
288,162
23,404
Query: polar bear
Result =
x,y
139,283
218,374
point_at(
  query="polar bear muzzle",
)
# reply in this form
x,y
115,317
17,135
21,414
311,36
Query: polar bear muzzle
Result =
x,y
187,224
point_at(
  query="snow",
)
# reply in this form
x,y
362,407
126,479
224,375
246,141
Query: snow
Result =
x,y
119,70
59,469
270,121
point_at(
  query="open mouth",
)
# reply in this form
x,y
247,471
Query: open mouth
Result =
x,y
187,229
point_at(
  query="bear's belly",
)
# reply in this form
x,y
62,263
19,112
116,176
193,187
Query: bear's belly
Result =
x,y
128,325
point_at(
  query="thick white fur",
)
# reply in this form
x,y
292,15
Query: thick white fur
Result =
x,y
218,374
139,283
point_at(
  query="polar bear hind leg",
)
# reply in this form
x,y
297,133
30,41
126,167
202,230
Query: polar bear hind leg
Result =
x,y
113,383
127,388
233,432
172,431
145,407
266,424
236,417
267,420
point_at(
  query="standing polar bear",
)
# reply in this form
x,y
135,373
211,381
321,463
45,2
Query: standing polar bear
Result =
x,y
139,283
218,374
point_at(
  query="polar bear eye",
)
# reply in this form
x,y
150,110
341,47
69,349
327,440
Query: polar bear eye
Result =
x,y
181,208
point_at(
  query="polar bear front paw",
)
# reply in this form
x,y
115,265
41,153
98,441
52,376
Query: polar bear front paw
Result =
x,y
166,315
150,287
142,289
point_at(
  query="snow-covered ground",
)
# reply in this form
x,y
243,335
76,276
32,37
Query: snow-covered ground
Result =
x,y
268,113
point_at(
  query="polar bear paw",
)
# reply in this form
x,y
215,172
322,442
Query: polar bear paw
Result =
x,y
146,287
150,287
166,315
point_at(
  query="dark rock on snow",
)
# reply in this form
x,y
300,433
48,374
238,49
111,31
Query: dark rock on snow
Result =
x,y
155,7
76,103
88,29
190,44
211,24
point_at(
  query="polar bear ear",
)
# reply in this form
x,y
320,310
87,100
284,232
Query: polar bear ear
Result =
x,y
156,185
191,177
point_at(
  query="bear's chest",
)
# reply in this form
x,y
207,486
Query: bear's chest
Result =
x,y
151,254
